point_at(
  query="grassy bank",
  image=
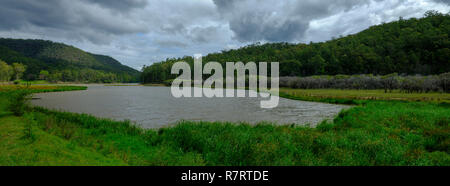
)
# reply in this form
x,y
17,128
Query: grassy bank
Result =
x,y
360,96
21,143
378,133
8,89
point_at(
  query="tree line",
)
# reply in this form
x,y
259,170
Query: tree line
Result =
x,y
407,47
16,71
390,82
83,75
11,72
46,60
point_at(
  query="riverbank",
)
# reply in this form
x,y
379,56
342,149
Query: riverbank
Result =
x,y
374,133
360,96
155,107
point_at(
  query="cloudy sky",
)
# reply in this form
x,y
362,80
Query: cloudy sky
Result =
x,y
140,32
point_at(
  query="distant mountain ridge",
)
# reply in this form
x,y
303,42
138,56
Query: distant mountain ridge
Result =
x,y
72,63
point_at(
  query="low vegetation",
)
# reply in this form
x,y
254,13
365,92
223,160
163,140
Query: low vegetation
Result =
x,y
406,84
5,89
359,96
373,133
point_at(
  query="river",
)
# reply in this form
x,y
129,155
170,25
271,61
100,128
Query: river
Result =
x,y
155,107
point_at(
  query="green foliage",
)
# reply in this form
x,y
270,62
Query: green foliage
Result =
x,y
158,72
43,75
18,70
28,128
15,98
380,133
18,101
391,82
374,133
359,97
63,62
414,46
42,149
6,71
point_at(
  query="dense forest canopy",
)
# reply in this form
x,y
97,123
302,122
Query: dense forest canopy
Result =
x,y
413,46
59,62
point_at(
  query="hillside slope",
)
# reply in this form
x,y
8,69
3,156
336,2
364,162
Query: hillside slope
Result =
x,y
414,46
64,62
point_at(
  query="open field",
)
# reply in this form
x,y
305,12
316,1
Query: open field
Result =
x,y
376,133
40,88
42,148
354,96
22,82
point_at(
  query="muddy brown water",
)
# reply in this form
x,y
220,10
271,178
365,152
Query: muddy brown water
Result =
x,y
155,107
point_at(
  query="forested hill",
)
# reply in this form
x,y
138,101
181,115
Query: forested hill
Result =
x,y
414,46
63,62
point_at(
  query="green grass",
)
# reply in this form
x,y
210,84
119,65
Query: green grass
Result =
x,y
6,89
22,82
46,149
374,133
380,133
23,143
358,96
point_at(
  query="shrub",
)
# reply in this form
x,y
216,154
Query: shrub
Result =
x,y
168,82
18,102
28,129
407,84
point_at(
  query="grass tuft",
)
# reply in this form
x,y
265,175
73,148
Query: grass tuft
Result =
x,y
373,133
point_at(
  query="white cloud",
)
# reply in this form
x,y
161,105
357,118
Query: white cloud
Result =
x,y
360,18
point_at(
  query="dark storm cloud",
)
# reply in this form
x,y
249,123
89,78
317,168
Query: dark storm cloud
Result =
x,y
252,28
443,1
274,20
203,35
15,14
65,18
174,28
171,44
143,31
